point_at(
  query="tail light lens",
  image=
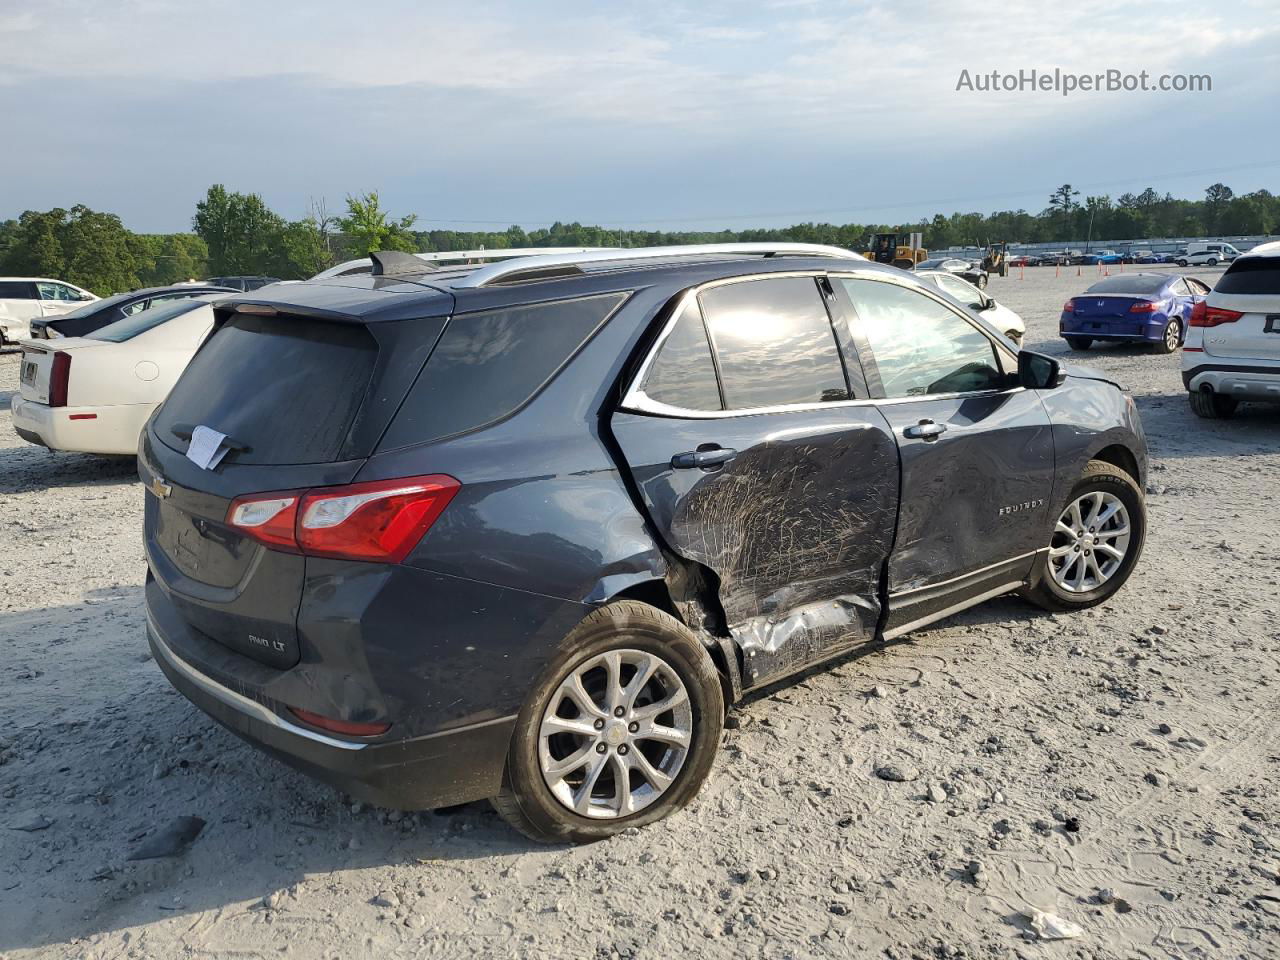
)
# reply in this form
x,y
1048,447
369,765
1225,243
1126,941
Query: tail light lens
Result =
x,y
340,726
379,522
1203,315
1069,307
1144,306
59,378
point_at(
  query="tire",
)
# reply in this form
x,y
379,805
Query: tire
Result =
x,y
982,281
632,631
1079,343
1181,263
1103,484
1212,406
1170,338
1015,336
1213,262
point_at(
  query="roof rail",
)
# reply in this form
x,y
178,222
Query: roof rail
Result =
x,y
356,265
540,265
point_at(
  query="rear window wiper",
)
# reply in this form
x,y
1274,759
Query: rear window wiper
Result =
x,y
183,432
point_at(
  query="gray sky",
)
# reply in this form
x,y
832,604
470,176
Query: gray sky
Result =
x,y
663,115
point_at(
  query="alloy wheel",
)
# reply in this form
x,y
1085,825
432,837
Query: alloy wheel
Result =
x,y
1090,542
1172,335
615,734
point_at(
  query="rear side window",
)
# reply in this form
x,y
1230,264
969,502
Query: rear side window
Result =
x,y
487,365
774,343
286,387
16,290
683,373
1251,275
920,346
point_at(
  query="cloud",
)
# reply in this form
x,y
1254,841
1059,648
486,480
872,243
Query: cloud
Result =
x,y
533,110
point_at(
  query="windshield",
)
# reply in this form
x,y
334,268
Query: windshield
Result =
x,y
144,320
96,305
1134,284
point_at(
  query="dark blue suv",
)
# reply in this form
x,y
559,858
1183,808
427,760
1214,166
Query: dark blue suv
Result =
x,y
525,530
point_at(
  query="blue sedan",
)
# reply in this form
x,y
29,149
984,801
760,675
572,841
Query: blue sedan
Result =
x,y
1149,308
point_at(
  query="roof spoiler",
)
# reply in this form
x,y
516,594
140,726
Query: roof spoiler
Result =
x,y
393,263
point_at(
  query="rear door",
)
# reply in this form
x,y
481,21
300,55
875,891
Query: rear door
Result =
x,y
752,461
977,454
1250,286
18,306
304,401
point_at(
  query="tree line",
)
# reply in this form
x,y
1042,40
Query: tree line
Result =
x,y
237,234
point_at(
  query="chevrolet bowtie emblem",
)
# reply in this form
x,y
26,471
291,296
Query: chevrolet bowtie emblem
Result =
x,y
159,487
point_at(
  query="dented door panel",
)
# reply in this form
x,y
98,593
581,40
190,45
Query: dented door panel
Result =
x,y
796,526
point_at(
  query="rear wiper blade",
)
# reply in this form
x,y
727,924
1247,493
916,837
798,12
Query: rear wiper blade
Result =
x,y
183,431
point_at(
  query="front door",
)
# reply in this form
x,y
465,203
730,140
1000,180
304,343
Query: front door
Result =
x,y
977,454
752,465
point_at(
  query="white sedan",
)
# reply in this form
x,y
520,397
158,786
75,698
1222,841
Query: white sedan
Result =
x,y
977,302
93,394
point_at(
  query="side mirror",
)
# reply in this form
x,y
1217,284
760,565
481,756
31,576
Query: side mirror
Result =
x,y
1038,372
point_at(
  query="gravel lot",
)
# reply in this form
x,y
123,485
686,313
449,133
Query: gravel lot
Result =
x,y
1133,748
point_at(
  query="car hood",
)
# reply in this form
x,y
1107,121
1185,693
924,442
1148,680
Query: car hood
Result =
x,y
1082,372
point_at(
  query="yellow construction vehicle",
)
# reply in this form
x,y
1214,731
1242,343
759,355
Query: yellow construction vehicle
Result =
x,y
903,250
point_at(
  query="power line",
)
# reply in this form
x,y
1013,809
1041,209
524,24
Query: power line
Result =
x,y
624,223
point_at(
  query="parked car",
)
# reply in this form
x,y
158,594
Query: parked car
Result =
x,y
241,283
1096,257
92,394
1144,257
523,530
1152,308
1232,353
1058,258
25,299
1207,254
962,268
974,300
100,313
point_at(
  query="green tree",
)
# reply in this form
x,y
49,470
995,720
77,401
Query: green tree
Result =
x,y
369,228
242,234
304,250
1216,198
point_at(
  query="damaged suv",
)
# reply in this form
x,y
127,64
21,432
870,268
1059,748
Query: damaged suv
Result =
x,y
523,530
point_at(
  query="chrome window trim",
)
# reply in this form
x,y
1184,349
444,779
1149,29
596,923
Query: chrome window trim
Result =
x,y
635,400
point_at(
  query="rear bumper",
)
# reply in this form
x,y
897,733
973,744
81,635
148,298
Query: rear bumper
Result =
x,y
442,769
106,430
1142,331
1245,381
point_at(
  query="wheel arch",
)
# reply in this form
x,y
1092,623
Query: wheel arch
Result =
x,y
1121,457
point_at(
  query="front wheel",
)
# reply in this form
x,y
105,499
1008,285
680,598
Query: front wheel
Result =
x,y
1213,262
1181,263
1095,543
1015,336
1212,406
1079,343
1171,337
620,730
982,281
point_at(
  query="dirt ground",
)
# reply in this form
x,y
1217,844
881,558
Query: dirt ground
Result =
x,y
1133,749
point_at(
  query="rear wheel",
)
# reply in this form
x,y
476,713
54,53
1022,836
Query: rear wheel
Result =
x,y
1171,337
1212,406
620,730
1079,343
1095,543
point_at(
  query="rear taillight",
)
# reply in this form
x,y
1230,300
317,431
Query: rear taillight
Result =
x,y
1069,307
1144,306
380,521
1203,315
59,377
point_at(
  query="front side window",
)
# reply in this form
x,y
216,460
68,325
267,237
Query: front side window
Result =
x,y
774,343
920,346
57,291
682,373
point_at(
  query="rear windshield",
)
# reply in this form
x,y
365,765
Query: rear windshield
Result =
x,y
1251,275
287,388
487,365
144,320
1129,285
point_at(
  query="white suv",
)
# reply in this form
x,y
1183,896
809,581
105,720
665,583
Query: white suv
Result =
x,y
1207,254
23,299
1232,350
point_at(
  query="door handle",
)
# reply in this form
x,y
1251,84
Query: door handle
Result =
x,y
703,458
925,430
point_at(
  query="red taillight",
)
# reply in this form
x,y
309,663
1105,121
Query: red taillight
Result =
x,y
340,726
1203,315
1144,306
1069,307
380,521
59,377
